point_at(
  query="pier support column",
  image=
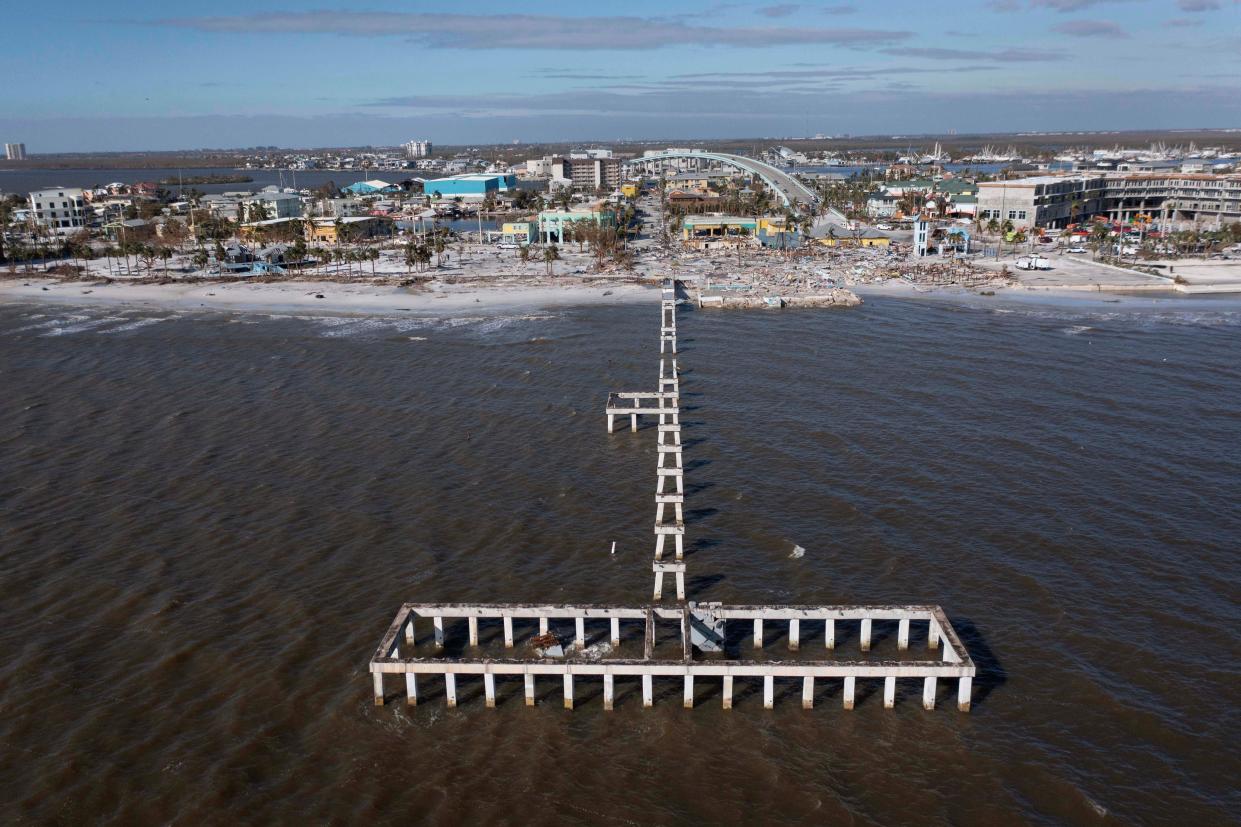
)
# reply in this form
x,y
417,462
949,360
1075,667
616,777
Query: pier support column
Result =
x,y
611,423
758,633
489,689
688,700
928,693
648,692
850,687
378,679
932,635
728,692
615,640
902,634
608,693
794,635
963,694
473,631
568,690
542,625
829,634
439,632
769,691
659,585
529,689
633,418
807,692
450,688
508,632
409,630
680,584
581,632
889,693
411,688
865,634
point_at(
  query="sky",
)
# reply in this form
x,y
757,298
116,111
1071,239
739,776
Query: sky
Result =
x,y
149,75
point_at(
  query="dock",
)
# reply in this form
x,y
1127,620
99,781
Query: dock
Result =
x,y
701,630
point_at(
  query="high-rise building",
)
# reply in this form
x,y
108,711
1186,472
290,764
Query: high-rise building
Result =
x,y
417,149
15,152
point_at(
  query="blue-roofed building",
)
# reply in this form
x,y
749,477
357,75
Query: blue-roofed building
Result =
x,y
371,187
476,185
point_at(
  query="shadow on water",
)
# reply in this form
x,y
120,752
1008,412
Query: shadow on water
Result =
x,y
991,674
701,584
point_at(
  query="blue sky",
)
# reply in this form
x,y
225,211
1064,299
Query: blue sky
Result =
x,y
166,75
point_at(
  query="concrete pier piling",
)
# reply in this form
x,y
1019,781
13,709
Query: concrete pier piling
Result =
x,y
687,662
702,627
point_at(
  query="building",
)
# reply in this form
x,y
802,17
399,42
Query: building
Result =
x,y
61,210
476,185
353,228
834,235
707,231
417,149
15,152
1171,200
342,207
519,232
270,205
586,173
552,223
371,187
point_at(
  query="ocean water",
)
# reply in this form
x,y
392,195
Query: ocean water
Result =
x,y
208,521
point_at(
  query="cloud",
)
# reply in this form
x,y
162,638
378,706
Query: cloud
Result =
x,y
840,8
998,56
1090,28
529,31
1198,5
779,10
1183,22
1071,5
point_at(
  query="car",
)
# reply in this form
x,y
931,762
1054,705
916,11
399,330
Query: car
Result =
x,y
1077,248
508,245
883,226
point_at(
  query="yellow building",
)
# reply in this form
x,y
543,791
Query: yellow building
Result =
x,y
629,190
354,228
519,232
844,238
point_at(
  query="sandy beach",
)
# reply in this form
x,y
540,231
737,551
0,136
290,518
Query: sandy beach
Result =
x,y
332,297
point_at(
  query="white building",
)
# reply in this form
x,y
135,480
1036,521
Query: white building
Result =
x,y
274,204
62,210
417,149
15,152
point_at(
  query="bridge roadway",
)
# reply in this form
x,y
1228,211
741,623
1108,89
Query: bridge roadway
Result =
x,y
792,192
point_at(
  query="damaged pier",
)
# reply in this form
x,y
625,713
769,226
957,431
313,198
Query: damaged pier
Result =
x,y
701,634
702,648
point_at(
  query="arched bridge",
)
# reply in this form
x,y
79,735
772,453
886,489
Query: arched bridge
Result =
x,y
792,192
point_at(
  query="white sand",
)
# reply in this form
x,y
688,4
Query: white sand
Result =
x,y
352,298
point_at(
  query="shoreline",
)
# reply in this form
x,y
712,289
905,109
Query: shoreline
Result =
x,y
328,296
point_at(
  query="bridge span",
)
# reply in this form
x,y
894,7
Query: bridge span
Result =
x,y
793,193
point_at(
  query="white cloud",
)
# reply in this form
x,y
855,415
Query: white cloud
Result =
x,y
529,31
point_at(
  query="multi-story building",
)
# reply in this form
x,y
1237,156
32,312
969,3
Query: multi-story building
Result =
x,y
61,210
15,152
271,205
1170,199
417,149
586,173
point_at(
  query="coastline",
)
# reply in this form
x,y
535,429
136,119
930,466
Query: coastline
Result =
x,y
329,296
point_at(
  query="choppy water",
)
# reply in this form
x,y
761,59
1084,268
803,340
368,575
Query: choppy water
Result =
x,y
207,522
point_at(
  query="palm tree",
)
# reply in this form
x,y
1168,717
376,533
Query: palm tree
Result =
x,y
550,256
200,259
